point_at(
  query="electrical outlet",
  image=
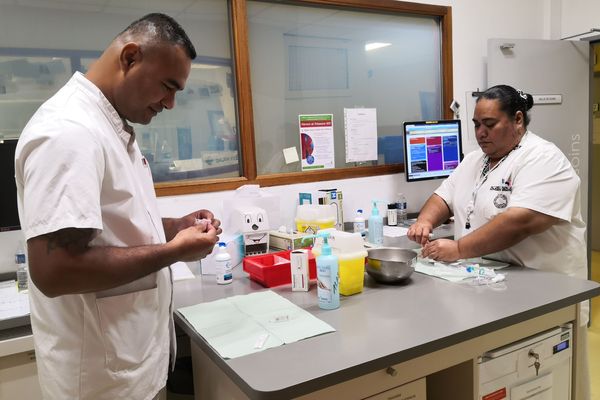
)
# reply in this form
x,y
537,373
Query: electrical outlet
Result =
x,y
595,107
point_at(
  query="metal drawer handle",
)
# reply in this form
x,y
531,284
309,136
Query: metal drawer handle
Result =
x,y
391,371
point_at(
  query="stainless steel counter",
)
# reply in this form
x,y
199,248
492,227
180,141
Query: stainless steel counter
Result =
x,y
382,326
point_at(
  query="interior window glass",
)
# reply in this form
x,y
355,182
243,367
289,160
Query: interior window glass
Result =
x,y
306,60
198,139
25,83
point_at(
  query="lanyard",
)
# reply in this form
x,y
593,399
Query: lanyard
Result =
x,y
483,176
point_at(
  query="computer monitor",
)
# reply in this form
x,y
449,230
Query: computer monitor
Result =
x,y
432,149
9,216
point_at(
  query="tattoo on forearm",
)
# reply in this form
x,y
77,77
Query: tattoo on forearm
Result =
x,y
70,239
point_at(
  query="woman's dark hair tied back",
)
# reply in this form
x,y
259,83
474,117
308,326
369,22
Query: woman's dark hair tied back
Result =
x,y
527,98
511,100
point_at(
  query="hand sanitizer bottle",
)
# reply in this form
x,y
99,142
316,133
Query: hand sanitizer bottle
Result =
x,y
328,278
375,226
223,265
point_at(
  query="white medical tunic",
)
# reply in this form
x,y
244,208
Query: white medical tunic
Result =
x,y
77,167
536,176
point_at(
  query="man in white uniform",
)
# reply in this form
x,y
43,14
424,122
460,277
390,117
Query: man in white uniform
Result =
x,y
517,200
101,291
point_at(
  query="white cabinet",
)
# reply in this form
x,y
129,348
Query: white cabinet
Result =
x,y
18,371
415,390
18,377
537,367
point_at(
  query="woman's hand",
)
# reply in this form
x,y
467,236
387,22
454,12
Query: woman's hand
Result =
x,y
441,250
419,232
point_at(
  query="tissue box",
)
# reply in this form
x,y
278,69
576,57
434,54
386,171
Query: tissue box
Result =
x,y
235,248
274,269
288,241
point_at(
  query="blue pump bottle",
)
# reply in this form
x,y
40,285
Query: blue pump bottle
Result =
x,y
328,277
375,227
328,286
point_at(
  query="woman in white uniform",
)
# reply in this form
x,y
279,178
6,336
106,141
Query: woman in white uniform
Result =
x,y
517,199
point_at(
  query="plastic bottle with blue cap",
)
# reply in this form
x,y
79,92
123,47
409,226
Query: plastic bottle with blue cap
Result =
x,y
359,223
22,272
223,265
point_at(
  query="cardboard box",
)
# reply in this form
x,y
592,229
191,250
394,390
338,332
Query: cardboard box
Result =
x,y
253,223
235,248
288,241
299,270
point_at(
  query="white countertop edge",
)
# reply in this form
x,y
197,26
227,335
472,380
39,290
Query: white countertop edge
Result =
x,y
16,345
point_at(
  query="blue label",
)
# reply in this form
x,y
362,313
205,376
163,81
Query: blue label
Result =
x,y
20,258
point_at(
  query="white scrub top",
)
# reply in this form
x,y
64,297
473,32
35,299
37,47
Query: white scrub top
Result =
x,y
77,167
536,176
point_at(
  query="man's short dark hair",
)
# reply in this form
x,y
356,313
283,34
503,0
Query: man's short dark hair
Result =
x,y
157,27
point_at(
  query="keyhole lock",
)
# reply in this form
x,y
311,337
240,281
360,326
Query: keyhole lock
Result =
x,y
536,364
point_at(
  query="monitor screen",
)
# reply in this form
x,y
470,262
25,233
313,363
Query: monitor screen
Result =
x,y
432,149
9,216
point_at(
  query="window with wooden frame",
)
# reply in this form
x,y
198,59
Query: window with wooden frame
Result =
x,y
320,57
261,65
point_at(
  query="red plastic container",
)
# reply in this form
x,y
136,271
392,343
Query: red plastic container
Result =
x,y
264,270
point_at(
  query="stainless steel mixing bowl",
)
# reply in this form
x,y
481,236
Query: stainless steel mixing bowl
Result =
x,y
389,264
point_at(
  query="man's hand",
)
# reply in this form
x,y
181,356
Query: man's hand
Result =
x,y
63,262
195,242
173,226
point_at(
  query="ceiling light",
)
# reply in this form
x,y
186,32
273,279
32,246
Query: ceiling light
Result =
x,y
376,45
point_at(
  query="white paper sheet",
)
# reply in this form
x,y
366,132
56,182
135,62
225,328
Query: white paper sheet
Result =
x,y
455,272
360,131
245,324
394,231
12,303
290,155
